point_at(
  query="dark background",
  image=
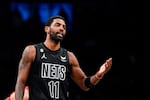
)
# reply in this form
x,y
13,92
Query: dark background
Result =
x,y
101,29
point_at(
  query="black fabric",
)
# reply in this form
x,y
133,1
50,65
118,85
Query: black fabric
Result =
x,y
88,83
49,74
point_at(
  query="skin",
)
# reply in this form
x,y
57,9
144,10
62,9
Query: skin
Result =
x,y
25,97
56,31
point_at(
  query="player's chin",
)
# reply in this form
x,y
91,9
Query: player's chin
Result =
x,y
60,37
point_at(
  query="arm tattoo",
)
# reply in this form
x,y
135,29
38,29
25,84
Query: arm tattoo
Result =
x,y
25,59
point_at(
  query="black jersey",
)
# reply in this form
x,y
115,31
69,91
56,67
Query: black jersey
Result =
x,y
49,74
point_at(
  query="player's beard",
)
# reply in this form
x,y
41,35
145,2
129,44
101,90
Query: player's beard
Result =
x,y
55,38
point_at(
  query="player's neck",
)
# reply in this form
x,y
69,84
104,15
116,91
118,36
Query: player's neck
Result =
x,y
52,45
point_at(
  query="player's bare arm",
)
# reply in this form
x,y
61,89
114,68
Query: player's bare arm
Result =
x,y
23,70
79,76
104,68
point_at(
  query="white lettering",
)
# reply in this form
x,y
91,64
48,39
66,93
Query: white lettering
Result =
x,y
53,71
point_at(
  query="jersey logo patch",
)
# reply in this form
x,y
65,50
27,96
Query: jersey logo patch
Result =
x,y
63,58
43,56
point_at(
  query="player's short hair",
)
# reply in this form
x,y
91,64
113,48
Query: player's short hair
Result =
x,y
50,20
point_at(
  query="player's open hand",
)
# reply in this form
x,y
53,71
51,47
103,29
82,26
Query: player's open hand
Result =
x,y
104,68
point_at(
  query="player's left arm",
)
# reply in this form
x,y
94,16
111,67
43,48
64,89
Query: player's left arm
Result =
x,y
84,82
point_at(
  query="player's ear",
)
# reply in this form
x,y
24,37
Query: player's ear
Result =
x,y
46,29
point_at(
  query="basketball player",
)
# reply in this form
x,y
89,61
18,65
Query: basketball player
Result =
x,y
46,67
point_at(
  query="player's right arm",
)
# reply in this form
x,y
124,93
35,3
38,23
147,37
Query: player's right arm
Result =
x,y
26,60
